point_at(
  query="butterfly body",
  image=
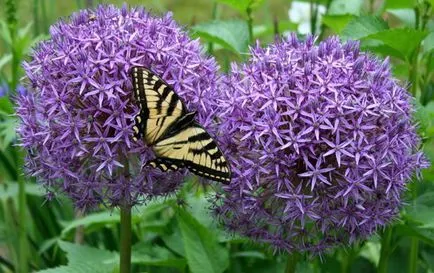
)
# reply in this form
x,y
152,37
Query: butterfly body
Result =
x,y
176,138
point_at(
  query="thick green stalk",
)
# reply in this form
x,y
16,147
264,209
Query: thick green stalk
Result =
x,y
125,248
385,250
414,253
22,208
291,262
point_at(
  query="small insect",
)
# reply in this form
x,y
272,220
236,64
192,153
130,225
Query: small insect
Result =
x,y
176,137
92,17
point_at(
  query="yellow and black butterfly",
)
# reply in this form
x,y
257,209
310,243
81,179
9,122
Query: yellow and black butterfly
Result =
x,y
172,132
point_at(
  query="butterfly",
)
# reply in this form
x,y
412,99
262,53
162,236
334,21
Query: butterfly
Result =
x,y
176,138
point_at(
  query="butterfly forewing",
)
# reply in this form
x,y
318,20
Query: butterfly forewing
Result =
x,y
177,140
160,105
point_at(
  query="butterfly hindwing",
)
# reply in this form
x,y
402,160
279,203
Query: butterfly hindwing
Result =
x,y
159,105
197,150
176,138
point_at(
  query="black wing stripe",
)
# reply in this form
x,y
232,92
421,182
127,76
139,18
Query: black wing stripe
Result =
x,y
199,137
208,173
173,102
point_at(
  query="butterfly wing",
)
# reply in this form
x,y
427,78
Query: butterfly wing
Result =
x,y
194,148
177,140
160,106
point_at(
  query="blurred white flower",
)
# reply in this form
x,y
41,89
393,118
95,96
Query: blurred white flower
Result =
x,y
299,13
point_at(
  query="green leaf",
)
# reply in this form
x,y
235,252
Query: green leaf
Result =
x,y
242,5
408,230
399,4
345,7
428,43
174,242
84,259
10,190
363,26
79,253
141,214
407,16
337,23
6,105
371,251
268,29
5,59
204,254
7,131
146,254
232,35
95,219
403,40
249,254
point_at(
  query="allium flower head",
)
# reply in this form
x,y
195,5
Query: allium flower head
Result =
x,y
321,144
78,115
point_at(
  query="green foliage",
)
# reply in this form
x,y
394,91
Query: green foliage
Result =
x,y
203,253
84,259
361,27
242,5
231,35
404,41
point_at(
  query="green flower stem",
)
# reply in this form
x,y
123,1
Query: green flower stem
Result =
x,y
385,250
125,248
291,262
22,226
414,251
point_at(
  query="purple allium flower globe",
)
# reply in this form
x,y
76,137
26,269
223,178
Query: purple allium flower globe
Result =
x,y
321,143
78,115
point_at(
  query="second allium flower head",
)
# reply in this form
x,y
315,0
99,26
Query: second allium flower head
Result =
x,y
77,119
321,143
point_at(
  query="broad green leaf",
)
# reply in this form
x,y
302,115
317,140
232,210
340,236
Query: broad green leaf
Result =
x,y
6,105
428,257
4,60
232,35
363,26
345,7
7,131
428,43
268,29
381,49
98,218
408,230
427,93
84,259
337,23
402,40
406,16
242,5
174,242
399,4
10,190
361,265
80,253
141,215
76,268
203,253
249,254
371,251
146,254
